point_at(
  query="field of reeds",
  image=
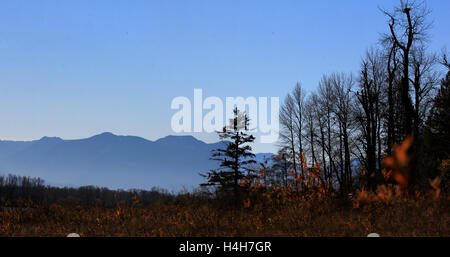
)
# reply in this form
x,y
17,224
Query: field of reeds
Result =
x,y
275,213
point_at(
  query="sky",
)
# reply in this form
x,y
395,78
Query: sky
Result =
x,y
74,69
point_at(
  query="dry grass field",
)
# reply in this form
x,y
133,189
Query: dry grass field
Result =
x,y
275,215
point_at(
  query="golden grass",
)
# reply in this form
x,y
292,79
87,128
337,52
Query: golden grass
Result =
x,y
399,216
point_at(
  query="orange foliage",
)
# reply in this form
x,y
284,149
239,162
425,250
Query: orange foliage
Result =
x,y
399,162
435,184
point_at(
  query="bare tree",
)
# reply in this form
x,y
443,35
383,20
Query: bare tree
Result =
x,y
424,80
298,95
310,127
326,99
320,116
444,59
342,86
392,69
370,111
287,133
408,27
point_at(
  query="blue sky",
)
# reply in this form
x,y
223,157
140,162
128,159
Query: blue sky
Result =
x,y
77,68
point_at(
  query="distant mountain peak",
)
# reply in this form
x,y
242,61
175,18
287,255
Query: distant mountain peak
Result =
x,y
105,134
50,139
179,139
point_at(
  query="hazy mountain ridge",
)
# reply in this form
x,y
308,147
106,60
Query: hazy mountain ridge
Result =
x,y
110,160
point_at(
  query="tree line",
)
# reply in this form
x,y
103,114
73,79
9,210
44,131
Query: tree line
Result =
x,y
338,135
350,122
15,190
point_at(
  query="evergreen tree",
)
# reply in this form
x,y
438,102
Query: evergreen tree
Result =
x,y
440,117
234,157
437,133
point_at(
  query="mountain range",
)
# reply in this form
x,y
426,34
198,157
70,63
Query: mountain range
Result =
x,y
108,160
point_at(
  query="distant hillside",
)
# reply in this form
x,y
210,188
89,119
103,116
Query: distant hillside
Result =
x,y
172,162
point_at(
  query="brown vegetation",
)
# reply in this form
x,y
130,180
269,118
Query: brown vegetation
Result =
x,y
386,214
